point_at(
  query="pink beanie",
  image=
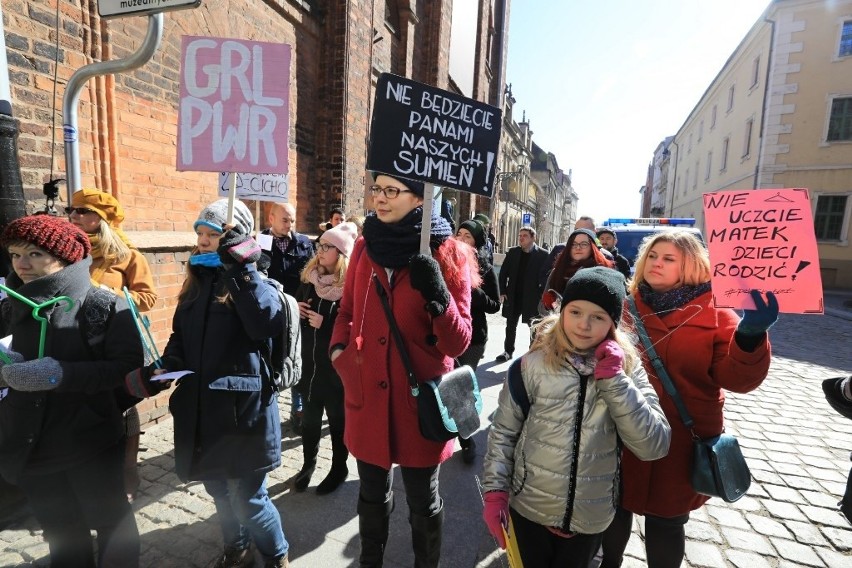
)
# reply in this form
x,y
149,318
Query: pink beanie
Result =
x,y
342,237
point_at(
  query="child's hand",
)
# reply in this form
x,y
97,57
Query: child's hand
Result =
x,y
610,357
496,514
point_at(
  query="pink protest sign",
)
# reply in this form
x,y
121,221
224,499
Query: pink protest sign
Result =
x,y
763,240
234,100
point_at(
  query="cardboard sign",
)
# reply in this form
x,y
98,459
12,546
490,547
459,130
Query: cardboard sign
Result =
x,y
763,240
234,100
257,187
427,134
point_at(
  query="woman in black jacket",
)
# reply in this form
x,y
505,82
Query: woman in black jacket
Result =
x,y
61,430
321,389
483,300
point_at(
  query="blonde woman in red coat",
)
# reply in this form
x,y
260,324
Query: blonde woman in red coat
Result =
x,y
430,300
704,350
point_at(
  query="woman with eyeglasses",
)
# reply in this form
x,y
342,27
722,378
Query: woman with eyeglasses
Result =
x,y
116,263
581,251
429,297
319,301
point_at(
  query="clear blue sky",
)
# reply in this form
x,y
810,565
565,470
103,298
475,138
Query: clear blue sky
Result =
x,y
603,83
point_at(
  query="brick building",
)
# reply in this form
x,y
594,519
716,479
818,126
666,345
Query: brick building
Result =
x,y
128,122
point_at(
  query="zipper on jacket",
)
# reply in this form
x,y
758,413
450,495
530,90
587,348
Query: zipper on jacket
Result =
x,y
578,428
314,357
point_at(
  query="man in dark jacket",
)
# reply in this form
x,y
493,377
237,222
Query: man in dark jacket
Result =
x,y
290,253
520,289
608,240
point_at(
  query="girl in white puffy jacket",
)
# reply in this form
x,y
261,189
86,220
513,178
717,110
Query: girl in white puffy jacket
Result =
x,y
553,449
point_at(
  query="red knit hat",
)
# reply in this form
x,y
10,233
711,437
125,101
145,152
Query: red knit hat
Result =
x,y
56,235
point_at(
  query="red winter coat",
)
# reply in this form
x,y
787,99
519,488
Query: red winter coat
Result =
x,y
381,413
696,344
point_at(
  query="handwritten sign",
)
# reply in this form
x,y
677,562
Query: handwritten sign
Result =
x,y
258,187
763,240
234,99
427,134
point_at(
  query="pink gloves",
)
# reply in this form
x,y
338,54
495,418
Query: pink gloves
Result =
x,y
610,357
496,514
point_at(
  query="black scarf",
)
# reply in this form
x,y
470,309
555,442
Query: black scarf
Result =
x,y
392,245
664,302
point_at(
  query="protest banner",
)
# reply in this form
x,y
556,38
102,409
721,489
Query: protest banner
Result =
x,y
234,100
431,135
258,187
763,240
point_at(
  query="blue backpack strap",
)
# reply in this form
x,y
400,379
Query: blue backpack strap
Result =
x,y
517,388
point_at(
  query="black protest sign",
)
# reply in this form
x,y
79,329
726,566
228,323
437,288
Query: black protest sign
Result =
x,y
763,240
427,134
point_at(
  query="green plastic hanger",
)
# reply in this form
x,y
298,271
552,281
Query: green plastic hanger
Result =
x,y
36,316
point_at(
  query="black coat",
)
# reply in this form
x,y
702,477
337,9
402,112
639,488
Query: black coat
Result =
x,y
483,300
319,379
50,431
532,285
621,263
225,414
287,267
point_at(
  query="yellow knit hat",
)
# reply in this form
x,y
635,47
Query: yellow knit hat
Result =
x,y
105,205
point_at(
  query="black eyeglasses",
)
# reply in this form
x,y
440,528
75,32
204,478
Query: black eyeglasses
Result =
x,y
323,247
78,210
390,191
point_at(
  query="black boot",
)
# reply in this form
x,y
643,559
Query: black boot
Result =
x,y
310,449
373,523
339,470
426,538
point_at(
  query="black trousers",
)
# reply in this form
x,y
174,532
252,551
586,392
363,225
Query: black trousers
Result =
x,y
89,496
540,548
665,540
421,487
511,332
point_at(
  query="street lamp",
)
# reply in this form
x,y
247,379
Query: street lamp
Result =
x,y
498,179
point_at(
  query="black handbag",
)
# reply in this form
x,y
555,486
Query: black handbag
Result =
x,y
719,468
447,406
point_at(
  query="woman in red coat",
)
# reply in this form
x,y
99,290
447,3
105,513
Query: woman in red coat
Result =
x,y
704,350
430,300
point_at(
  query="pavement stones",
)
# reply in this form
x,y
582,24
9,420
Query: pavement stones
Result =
x,y
798,451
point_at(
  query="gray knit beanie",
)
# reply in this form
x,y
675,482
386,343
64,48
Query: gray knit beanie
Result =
x,y
215,216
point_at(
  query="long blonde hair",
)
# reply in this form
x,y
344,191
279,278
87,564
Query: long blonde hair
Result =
x,y
695,267
110,243
550,338
339,269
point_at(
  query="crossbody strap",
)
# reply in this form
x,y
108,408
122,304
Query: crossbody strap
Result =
x,y
397,337
657,363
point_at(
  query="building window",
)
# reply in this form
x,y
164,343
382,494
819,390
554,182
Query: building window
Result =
x,y
840,123
695,175
686,183
731,98
689,145
709,167
828,220
755,72
747,141
392,15
713,117
700,130
723,165
846,40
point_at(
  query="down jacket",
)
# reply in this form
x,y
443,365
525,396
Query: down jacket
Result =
x,y
226,413
535,461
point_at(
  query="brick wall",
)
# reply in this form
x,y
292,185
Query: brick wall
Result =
x,y
127,122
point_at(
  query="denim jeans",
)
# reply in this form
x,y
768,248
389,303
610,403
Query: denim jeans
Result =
x,y
90,495
247,514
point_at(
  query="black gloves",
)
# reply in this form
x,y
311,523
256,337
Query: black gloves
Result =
x,y
427,279
236,247
138,382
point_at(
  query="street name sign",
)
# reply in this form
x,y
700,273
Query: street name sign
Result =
x,y
120,8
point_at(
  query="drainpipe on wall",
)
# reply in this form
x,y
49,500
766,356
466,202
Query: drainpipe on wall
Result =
x,y
766,95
